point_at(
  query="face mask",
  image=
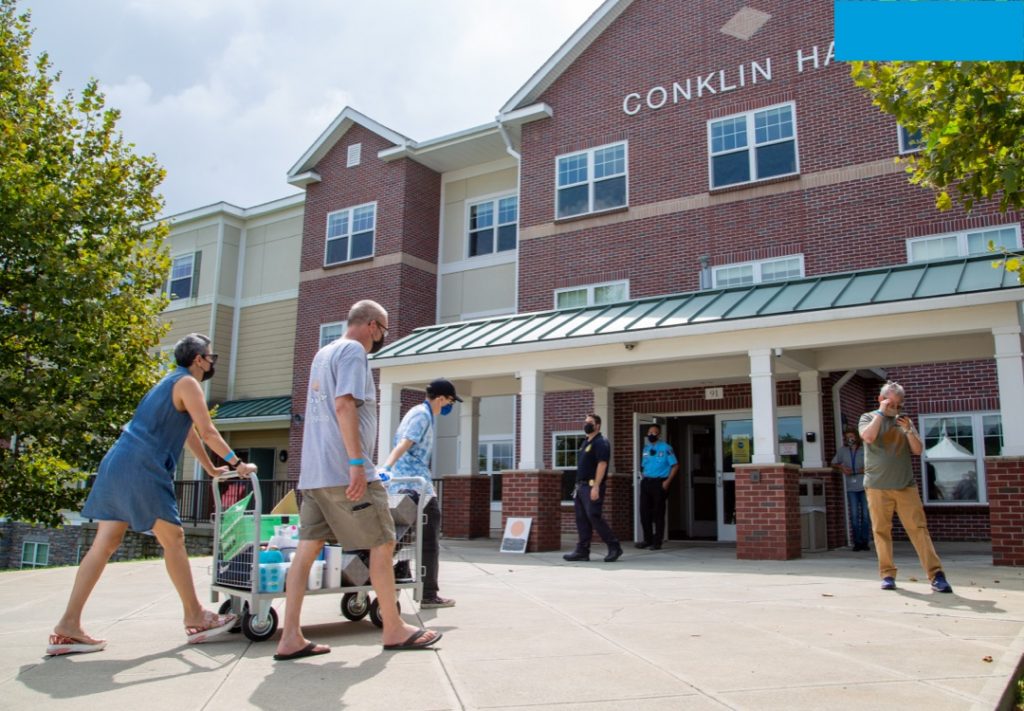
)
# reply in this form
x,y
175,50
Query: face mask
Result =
x,y
652,438
446,409
850,442
208,374
377,345
588,428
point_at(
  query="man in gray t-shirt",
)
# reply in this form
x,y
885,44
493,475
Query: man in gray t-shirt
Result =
x,y
889,439
342,496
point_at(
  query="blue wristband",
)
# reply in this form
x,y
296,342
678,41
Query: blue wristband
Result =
x,y
355,462
229,456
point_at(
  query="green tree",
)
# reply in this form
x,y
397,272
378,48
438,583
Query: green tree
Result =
x,y
81,264
971,119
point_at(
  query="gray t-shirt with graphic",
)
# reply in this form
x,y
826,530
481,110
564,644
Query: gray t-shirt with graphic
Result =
x,y
339,368
887,459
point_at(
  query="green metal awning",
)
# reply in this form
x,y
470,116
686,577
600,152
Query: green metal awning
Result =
x,y
263,407
902,283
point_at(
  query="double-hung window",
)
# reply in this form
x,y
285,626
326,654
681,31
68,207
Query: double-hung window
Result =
x,y
350,234
953,462
330,332
35,555
592,295
565,447
493,457
493,225
766,270
753,146
593,180
910,141
181,285
963,244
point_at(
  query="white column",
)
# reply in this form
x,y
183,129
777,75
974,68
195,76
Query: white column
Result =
x,y
811,417
469,435
1010,374
603,409
762,395
390,411
531,420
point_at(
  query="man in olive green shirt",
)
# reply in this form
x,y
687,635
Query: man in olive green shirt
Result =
x,y
889,440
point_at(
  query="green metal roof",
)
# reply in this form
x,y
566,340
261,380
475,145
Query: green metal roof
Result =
x,y
829,291
257,407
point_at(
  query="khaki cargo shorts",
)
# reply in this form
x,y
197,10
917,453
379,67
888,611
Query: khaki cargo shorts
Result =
x,y
327,514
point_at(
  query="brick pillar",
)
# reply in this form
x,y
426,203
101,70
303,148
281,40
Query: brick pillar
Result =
x,y
767,511
618,506
1004,478
835,504
466,506
536,494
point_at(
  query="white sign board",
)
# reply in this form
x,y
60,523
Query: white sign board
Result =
x,y
714,393
517,532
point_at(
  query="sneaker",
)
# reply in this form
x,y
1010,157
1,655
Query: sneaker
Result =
x,y
939,583
576,555
431,602
613,554
888,583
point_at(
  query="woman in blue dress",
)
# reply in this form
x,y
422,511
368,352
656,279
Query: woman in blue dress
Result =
x,y
134,489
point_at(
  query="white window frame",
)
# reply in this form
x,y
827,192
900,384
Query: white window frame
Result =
x,y
191,278
589,152
978,433
757,264
31,563
495,200
324,326
903,136
327,240
961,241
752,145
591,288
489,441
554,450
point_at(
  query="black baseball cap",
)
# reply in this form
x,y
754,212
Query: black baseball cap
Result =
x,y
442,387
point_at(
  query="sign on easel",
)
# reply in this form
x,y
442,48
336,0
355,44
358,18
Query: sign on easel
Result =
x,y
517,532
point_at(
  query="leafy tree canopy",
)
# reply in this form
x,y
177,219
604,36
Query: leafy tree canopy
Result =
x,y
81,264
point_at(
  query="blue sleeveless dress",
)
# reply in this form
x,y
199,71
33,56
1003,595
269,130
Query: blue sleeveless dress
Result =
x,y
135,482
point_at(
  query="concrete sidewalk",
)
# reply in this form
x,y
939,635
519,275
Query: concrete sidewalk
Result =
x,y
687,627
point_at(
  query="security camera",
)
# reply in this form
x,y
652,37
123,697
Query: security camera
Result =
x,y
629,346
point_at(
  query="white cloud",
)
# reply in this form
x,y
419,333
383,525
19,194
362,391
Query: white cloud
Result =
x,y
229,94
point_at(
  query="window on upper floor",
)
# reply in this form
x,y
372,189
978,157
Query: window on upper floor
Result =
x,y
962,244
591,295
752,146
757,272
591,181
184,280
35,555
350,234
493,225
330,332
910,141
953,461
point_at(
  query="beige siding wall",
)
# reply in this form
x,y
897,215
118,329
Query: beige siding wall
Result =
x,y
266,340
229,262
222,346
203,239
272,258
458,194
478,290
184,322
273,439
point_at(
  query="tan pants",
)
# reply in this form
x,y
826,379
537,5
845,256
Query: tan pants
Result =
x,y
907,505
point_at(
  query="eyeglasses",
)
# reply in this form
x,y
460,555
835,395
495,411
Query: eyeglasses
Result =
x,y
211,357
382,327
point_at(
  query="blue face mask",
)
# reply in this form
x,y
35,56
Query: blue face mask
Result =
x,y
445,410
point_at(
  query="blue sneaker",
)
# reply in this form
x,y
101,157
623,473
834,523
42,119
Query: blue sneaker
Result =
x,y
888,583
939,583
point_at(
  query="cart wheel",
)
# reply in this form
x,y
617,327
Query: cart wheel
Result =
x,y
225,608
353,608
375,617
259,631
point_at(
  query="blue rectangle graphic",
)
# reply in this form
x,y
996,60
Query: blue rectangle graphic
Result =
x,y
929,30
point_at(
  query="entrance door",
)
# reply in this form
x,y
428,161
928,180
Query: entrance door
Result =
x,y
734,435
640,425
700,468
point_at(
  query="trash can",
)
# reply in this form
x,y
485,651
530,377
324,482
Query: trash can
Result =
x,y
813,533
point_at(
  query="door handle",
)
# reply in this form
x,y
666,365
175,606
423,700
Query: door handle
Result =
x,y
718,479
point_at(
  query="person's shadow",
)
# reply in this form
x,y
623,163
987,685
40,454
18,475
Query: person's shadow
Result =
x,y
55,676
952,601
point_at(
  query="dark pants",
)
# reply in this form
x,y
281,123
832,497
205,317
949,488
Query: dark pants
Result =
x,y
588,519
652,509
860,518
431,547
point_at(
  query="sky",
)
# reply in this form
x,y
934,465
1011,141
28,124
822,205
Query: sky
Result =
x,y
228,94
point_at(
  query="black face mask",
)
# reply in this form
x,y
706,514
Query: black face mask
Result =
x,y
588,428
377,345
208,374
652,438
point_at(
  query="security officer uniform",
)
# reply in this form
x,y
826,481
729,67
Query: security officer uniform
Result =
x,y
657,462
588,512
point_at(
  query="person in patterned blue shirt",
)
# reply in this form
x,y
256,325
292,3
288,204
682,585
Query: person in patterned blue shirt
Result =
x,y
410,457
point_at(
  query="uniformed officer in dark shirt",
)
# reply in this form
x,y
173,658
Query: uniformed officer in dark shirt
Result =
x,y
588,497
